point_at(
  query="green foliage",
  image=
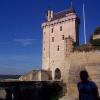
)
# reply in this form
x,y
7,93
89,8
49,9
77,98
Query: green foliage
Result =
x,y
97,31
83,47
55,98
86,48
95,42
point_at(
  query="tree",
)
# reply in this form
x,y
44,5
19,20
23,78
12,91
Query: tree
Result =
x,y
97,31
95,42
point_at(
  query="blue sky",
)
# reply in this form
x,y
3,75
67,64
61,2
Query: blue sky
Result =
x,y
21,34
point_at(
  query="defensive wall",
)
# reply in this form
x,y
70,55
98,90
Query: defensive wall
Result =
x,y
78,61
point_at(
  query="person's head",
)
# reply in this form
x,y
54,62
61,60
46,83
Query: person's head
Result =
x,y
84,75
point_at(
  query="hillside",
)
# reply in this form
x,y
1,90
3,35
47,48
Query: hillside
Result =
x,y
9,76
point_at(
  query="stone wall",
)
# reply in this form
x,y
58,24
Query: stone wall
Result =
x,y
33,75
36,75
89,61
73,63
81,58
58,29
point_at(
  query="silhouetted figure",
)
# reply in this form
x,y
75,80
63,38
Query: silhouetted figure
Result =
x,y
8,94
87,89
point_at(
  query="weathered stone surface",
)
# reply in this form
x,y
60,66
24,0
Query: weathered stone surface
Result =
x,y
36,75
55,33
56,54
94,73
89,61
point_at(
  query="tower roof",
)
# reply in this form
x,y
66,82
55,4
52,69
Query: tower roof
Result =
x,y
62,14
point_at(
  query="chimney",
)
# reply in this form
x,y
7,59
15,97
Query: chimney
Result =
x,y
49,15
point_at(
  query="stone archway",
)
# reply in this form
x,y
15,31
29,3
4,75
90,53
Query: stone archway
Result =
x,y
57,74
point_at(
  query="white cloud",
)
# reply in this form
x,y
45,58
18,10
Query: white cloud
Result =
x,y
24,42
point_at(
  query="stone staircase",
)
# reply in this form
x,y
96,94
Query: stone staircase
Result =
x,y
94,73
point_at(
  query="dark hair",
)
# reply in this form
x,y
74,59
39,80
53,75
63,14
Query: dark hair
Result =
x,y
84,75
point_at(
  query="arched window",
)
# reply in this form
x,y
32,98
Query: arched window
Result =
x,y
57,74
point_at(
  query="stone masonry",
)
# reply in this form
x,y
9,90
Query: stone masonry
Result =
x,y
59,62
60,34
56,29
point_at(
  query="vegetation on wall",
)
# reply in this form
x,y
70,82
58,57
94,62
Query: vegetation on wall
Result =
x,y
86,48
83,47
95,42
97,31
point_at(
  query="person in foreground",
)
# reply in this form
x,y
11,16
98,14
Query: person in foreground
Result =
x,y
87,89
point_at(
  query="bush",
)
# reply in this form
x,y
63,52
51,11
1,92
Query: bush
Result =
x,y
83,48
95,42
97,31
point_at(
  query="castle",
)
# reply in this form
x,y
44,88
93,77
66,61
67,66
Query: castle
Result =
x,y
59,61
60,32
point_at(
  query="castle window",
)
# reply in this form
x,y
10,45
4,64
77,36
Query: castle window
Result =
x,y
44,49
60,28
52,39
57,74
62,37
52,30
58,48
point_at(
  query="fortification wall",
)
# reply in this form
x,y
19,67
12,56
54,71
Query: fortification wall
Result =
x,y
84,58
78,61
36,75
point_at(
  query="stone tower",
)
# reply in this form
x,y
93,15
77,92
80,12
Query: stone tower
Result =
x,y
56,29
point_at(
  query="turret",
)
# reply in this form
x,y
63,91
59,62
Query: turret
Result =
x,y
69,44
